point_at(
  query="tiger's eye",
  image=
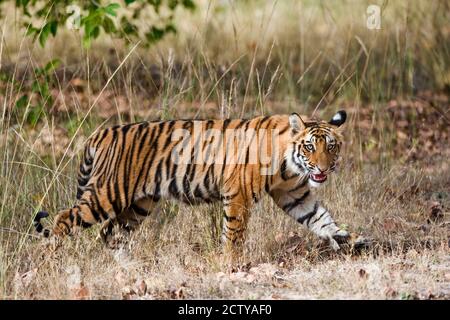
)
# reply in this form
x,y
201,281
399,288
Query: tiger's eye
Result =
x,y
331,147
309,147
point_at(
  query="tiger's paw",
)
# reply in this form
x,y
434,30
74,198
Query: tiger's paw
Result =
x,y
339,237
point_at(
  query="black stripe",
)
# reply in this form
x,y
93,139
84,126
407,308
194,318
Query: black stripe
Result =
x,y
167,165
186,187
80,222
96,203
153,149
138,152
291,205
226,122
158,179
284,129
140,211
209,124
301,185
206,179
255,197
266,185
309,214
284,170
127,168
320,217
146,156
169,137
173,188
106,157
229,218
241,123
327,224
82,171
198,194
116,201
101,137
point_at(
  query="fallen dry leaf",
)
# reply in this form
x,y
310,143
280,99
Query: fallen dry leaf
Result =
x,y
390,224
279,237
23,280
435,212
390,293
141,287
128,293
82,293
363,274
267,270
120,277
242,277
177,293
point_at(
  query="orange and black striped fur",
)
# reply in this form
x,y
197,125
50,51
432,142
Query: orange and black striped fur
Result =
x,y
126,170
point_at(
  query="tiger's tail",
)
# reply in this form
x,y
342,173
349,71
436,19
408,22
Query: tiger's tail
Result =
x,y
38,225
65,218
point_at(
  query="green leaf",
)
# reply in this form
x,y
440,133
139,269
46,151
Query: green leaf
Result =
x,y
156,4
31,30
45,91
93,17
127,2
154,34
95,32
22,102
35,87
189,4
88,27
24,5
111,9
53,27
170,28
173,4
52,65
35,114
108,25
86,41
43,36
128,28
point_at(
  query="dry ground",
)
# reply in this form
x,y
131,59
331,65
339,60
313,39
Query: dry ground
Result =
x,y
402,208
234,61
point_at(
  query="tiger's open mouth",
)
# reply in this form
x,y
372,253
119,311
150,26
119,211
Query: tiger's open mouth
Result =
x,y
319,178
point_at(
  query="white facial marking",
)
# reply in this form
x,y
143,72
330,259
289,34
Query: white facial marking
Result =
x,y
330,140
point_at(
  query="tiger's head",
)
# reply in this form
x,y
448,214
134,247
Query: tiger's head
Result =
x,y
314,146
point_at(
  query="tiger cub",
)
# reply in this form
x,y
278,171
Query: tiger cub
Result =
x,y
127,169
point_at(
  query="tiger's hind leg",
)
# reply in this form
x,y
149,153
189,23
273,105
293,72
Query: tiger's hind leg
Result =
x,y
127,221
131,218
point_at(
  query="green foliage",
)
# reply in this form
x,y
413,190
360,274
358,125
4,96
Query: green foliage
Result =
x,y
72,125
93,17
40,88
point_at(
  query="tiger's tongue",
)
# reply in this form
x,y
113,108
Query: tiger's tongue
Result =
x,y
319,177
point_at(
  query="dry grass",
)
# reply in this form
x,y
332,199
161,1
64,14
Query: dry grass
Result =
x,y
230,61
177,249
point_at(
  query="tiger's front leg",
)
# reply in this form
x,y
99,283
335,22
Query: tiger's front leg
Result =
x,y
236,215
305,209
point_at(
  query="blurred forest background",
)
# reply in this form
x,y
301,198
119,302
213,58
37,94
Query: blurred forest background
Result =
x,y
69,67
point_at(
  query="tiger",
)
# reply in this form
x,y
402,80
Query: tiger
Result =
x,y
126,170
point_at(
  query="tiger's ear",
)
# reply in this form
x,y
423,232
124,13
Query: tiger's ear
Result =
x,y
338,119
296,123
